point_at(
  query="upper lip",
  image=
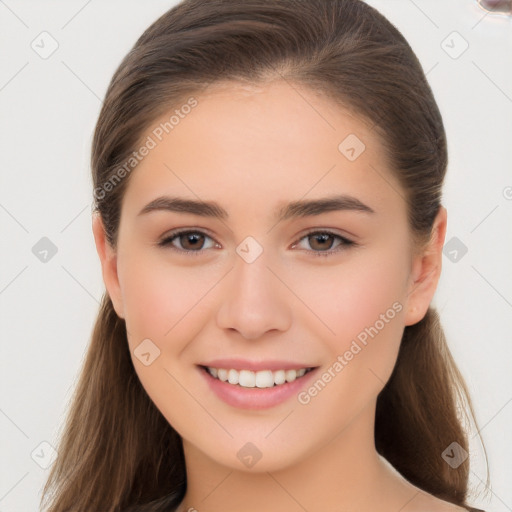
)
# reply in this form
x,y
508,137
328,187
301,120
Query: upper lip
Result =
x,y
244,364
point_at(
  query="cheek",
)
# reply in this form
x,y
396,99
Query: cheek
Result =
x,y
163,304
352,296
362,306
163,301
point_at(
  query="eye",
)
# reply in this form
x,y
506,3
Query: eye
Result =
x,y
324,240
193,241
189,241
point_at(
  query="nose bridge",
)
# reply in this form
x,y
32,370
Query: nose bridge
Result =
x,y
252,301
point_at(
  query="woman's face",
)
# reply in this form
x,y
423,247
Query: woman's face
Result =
x,y
299,256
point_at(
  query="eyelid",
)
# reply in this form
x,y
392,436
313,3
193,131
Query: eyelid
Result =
x,y
329,231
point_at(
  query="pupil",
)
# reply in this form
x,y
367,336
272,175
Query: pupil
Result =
x,y
193,239
323,238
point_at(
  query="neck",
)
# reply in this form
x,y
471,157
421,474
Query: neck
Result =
x,y
345,473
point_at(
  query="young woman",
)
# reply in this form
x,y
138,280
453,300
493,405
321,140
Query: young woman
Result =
x,y
267,178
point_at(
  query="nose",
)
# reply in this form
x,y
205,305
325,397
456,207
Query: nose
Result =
x,y
254,300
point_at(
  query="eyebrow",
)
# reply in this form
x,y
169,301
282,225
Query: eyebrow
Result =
x,y
294,209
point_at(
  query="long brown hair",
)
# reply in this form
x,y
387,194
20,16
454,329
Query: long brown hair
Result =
x,y
117,452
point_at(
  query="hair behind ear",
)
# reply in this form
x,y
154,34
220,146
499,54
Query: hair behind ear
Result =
x,y
116,449
425,386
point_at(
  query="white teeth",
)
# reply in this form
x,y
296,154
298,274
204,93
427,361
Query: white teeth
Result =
x,y
264,379
261,379
233,377
247,378
279,377
291,375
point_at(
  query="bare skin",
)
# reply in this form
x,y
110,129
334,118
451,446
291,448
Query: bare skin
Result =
x,y
253,150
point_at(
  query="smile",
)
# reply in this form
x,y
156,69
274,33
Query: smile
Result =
x,y
259,379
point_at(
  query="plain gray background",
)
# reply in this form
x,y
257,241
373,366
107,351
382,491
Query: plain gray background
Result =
x,y
49,104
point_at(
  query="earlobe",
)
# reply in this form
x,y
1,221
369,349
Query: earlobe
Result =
x,y
108,260
425,272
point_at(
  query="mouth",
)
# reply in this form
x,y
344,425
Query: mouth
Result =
x,y
256,379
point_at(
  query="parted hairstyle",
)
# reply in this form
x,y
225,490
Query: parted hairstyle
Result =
x,y
117,452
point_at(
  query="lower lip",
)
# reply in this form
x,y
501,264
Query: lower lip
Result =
x,y
255,398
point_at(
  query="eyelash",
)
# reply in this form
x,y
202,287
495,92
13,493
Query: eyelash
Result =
x,y
346,243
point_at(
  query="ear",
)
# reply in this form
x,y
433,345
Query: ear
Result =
x,y
108,259
426,270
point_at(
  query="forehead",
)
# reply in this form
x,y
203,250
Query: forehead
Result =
x,y
258,145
